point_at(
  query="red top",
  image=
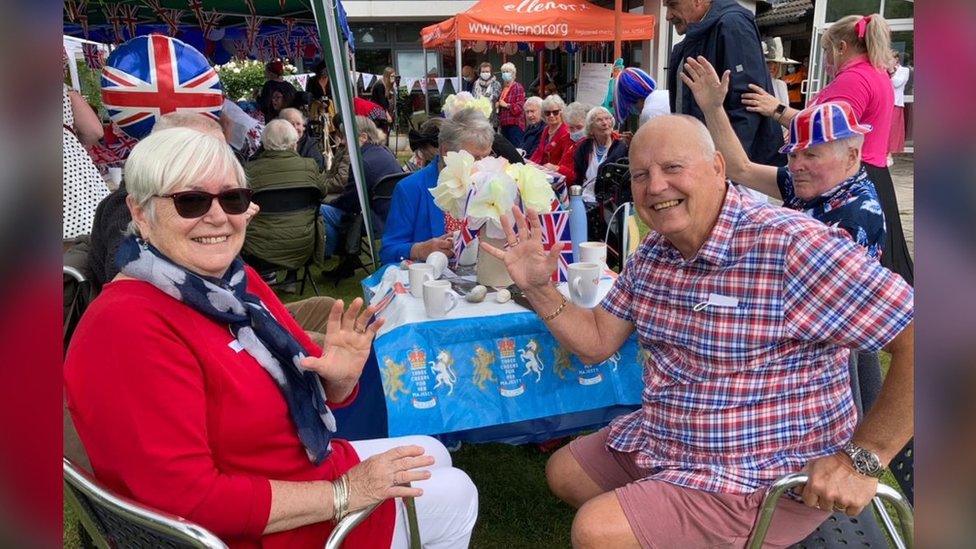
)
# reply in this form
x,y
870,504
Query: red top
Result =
x,y
550,151
174,417
567,164
365,107
872,98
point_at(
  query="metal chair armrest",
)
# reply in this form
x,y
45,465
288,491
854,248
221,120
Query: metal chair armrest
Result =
x,y
346,525
778,488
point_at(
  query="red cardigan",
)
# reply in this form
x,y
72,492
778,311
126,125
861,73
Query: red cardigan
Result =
x,y
174,417
550,151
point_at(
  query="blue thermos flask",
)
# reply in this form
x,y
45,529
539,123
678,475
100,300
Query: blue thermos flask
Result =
x,y
577,219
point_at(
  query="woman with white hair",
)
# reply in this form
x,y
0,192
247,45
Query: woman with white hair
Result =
x,y
416,227
533,125
554,140
602,145
511,123
193,390
283,240
500,146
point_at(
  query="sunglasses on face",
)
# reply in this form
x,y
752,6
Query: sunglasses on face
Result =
x,y
194,204
552,113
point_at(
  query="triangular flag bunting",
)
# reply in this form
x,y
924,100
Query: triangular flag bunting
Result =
x,y
440,84
368,80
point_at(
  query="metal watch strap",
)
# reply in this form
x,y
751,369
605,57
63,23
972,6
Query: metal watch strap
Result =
x,y
865,461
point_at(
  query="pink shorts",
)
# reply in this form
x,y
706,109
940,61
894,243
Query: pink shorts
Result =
x,y
666,515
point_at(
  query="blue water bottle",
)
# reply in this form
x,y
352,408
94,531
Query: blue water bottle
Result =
x,y
577,219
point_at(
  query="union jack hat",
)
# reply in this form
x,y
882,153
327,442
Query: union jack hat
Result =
x,y
153,75
821,124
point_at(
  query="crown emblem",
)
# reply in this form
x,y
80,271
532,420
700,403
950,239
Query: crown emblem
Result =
x,y
506,347
417,358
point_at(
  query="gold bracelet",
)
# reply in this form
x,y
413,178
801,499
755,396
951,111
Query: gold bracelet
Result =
x,y
558,310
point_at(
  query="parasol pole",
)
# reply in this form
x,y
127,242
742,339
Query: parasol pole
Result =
x,y
617,9
457,62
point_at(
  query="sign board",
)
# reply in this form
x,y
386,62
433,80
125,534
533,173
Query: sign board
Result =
x,y
591,86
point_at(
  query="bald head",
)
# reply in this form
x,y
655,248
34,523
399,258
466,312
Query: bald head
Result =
x,y
191,120
662,126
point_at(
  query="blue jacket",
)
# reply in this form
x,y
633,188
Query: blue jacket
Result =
x,y
729,38
413,215
530,139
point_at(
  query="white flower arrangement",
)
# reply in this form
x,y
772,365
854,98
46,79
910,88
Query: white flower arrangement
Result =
x,y
464,100
484,191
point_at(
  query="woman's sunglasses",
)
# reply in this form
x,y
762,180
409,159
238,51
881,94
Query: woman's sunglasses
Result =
x,y
194,204
552,113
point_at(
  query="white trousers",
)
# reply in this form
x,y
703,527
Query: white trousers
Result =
x,y
447,511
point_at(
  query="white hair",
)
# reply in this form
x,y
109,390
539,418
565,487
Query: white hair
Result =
x,y
509,67
591,116
175,158
467,127
534,100
575,113
839,147
367,127
279,135
553,102
184,119
284,113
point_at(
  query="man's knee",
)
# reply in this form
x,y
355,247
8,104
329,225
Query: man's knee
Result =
x,y
567,480
601,523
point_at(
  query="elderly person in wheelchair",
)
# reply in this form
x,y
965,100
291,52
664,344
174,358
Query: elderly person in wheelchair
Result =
x,y
745,314
194,391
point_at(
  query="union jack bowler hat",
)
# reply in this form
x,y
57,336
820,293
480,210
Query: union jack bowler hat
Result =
x,y
153,75
821,124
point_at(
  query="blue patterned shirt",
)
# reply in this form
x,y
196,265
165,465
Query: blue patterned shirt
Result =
x,y
852,205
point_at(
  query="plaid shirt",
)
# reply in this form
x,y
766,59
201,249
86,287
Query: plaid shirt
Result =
x,y
513,115
739,394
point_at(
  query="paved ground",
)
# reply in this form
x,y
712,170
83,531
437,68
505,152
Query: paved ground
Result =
x,y
903,175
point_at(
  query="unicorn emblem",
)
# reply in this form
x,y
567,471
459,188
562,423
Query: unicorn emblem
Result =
x,y
392,378
614,360
530,355
562,363
482,367
443,372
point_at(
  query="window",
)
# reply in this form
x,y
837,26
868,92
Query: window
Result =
x,y
408,32
899,9
410,64
837,9
366,35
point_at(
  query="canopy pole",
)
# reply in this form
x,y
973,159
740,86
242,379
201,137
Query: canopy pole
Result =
x,y
457,62
617,8
542,73
328,28
426,83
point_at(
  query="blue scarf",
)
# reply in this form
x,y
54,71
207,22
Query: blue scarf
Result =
x,y
227,301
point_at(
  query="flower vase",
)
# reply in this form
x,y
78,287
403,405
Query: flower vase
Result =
x,y
490,270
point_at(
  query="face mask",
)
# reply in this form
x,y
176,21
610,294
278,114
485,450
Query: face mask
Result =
x,y
485,75
469,79
577,135
507,76
790,69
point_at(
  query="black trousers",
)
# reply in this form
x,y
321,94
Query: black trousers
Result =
x,y
894,254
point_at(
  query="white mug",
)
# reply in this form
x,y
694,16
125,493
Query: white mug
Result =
x,y
584,280
114,176
419,273
439,298
593,252
439,261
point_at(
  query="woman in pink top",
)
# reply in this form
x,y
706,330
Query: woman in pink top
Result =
x,y
857,52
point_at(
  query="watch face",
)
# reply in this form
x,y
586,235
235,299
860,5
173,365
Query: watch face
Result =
x,y
866,463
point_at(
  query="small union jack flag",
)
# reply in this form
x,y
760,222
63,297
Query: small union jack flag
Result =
x,y
150,76
465,237
555,228
397,289
94,56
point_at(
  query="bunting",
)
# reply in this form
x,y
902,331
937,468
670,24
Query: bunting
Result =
x,y
111,12
368,80
313,37
289,24
83,21
241,51
72,10
250,6
196,6
299,51
440,84
209,22
129,17
281,4
172,19
94,56
253,24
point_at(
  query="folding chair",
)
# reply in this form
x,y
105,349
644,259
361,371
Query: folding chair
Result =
x,y
288,201
839,530
114,521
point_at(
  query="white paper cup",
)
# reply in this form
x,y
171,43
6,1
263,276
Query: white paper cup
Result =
x,y
439,298
584,280
419,273
593,252
438,260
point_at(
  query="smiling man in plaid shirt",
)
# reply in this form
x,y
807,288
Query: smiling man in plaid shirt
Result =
x,y
747,313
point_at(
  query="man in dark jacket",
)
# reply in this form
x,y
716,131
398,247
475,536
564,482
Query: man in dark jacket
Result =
x,y
726,34
308,145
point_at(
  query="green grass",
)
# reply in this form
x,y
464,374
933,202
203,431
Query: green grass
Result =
x,y
516,508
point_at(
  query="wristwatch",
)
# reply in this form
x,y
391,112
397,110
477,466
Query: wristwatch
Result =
x,y
865,461
780,109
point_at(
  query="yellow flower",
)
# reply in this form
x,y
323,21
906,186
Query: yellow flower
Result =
x,y
533,186
495,194
453,183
